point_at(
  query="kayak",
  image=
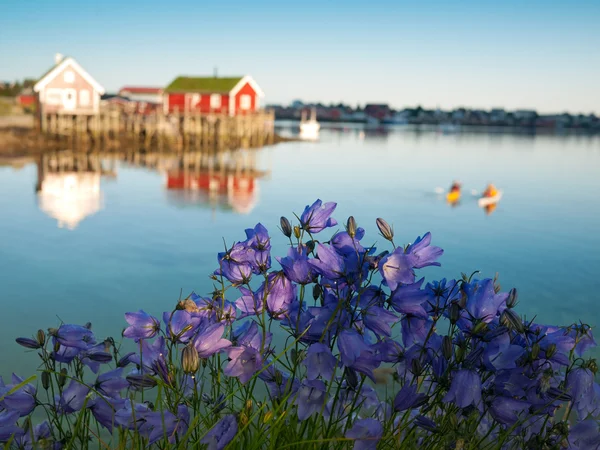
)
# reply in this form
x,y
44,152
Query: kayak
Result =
x,y
453,197
486,201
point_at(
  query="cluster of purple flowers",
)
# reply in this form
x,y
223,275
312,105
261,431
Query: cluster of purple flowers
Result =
x,y
318,333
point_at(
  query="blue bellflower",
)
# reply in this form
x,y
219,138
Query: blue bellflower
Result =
x,y
249,303
111,383
244,362
319,361
366,433
296,267
465,389
209,340
22,400
482,301
408,398
73,336
311,398
411,299
72,398
397,267
141,325
181,325
426,255
221,434
328,263
8,425
317,217
279,293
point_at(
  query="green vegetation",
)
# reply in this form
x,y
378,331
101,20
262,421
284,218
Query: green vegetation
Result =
x,y
14,89
202,84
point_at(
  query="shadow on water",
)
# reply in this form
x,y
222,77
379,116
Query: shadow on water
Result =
x,y
69,188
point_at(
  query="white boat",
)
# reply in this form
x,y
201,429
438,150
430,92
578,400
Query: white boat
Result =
x,y
486,201
309,128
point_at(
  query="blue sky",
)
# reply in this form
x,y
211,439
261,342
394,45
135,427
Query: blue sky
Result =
x,y
534,54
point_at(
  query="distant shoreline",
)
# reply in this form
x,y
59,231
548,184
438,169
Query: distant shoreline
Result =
x,y
446,127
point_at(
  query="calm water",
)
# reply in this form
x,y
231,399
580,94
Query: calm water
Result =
x,y
147,243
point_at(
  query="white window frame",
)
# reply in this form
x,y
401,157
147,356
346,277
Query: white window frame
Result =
x,y
84,97
245,102
53,96
69,77
215,101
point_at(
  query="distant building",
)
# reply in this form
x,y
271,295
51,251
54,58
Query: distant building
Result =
x,y
68,89
232,95
26,98
378,111
142,93
525,114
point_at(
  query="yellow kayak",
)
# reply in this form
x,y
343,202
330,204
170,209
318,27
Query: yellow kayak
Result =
x,y
453,197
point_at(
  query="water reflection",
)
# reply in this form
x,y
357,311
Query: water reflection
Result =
x,y
69,188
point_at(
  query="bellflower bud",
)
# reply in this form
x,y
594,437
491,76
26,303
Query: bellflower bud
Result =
x,y
385,229
480,328
190,361
535,350
317,291
286,226
297,232
28,343
351,227
268,416
447,347
511,301
45,380
141,381
416,367
278,378
511,320
551,351
592,365
62,377
124,361
351,377
454,313
460,354
41,337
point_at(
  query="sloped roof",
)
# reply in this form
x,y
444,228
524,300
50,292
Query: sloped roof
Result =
x,y
203,84
141,89
67,60
51,69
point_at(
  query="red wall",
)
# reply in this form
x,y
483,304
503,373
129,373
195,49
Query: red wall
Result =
x,y
246,90
179,101
26,99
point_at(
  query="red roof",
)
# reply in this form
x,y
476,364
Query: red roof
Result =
x,y
141,90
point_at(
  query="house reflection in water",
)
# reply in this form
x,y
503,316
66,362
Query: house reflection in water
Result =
x,y
223,180
68,186
224,191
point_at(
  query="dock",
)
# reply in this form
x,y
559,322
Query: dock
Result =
x,y
187,130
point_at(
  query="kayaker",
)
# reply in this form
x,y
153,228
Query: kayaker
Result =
x,y
490,191
455,187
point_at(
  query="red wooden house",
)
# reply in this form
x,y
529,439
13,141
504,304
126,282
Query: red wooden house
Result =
x,y
26,98
230,95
